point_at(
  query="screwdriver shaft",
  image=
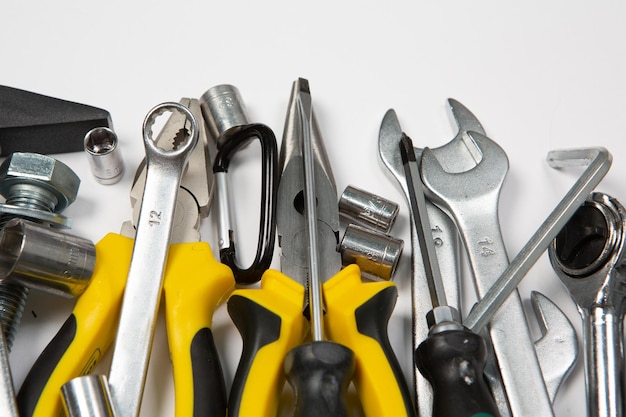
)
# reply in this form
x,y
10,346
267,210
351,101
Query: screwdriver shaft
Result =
x,y
417,203
315,289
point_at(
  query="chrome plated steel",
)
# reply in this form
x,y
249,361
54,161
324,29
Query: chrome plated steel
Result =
x,y
471,197
87,396
588,256
164,169
444,232
8,404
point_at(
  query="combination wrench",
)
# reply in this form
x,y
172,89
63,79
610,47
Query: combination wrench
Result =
x,y
447,244
588,256
471,197
164,169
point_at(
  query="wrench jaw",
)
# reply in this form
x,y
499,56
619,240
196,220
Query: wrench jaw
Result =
x,y
461,153
485,177
557,348
389,151
464,119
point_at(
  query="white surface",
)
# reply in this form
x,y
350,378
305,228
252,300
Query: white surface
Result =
x,y
538,75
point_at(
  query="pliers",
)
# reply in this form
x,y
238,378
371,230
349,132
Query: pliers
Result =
x,y
194,286
271,319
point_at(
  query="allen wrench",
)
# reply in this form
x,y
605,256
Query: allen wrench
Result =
x,y
598,161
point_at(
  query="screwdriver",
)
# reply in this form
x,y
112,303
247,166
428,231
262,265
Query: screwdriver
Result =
x,y
452,357
320,371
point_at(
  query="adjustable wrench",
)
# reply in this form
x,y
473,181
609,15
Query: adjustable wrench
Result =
x,y
471,197
588,256
444,232
164,169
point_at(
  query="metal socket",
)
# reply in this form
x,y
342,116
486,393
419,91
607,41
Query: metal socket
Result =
x,y
367,209
40,257
104,156
87,396
223,108
375,253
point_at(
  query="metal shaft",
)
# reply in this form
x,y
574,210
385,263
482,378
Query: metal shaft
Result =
x,y
8,404
599,160
316,305
417,202
603,361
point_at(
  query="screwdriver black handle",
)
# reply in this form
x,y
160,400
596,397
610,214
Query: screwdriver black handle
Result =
x,y
453,361
320,373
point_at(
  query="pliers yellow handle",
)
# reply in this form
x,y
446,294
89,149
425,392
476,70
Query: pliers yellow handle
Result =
x,y
271,323
195,283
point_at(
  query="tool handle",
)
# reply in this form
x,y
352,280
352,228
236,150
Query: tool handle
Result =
x,y
231,142
453,362
190,300
86,334
320,373
271,323
357,315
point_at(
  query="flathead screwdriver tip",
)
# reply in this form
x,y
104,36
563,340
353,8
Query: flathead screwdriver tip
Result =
x,y
303,83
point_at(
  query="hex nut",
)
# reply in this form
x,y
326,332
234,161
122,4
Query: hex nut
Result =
x,y
40,171
441,315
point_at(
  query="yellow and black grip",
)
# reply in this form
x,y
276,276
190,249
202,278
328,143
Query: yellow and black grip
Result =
x,y
86,335
271,323
357,315
195,285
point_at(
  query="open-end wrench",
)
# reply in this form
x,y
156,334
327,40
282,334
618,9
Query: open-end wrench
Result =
x,y
444,232
164,169
471,197
588,256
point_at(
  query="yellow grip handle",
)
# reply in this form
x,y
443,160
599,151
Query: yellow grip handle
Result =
x,y
271,323
96,314
357,315
194,286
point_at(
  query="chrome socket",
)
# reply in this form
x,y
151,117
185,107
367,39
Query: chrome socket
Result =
x,y
367,209
44,258
87,396
376,254
104,156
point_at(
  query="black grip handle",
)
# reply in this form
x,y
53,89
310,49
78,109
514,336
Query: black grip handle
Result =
x,y
209,388
236,139
39,374
320,373
258,327
453,361
372,319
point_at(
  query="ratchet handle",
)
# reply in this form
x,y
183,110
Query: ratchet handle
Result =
x,y
453,361
271,323
84,337
232,141
320,373
199,386
357,316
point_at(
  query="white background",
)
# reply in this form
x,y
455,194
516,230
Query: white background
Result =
x,y
538,75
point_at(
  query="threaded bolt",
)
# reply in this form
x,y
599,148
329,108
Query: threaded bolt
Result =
x,y
33,186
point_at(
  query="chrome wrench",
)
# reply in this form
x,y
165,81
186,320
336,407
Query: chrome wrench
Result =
x,y
164,169
471,197
444,232
588,257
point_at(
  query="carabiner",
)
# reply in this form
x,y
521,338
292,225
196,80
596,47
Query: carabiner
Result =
x,y
230,142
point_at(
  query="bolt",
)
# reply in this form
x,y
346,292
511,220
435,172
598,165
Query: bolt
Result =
x,y
35,187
